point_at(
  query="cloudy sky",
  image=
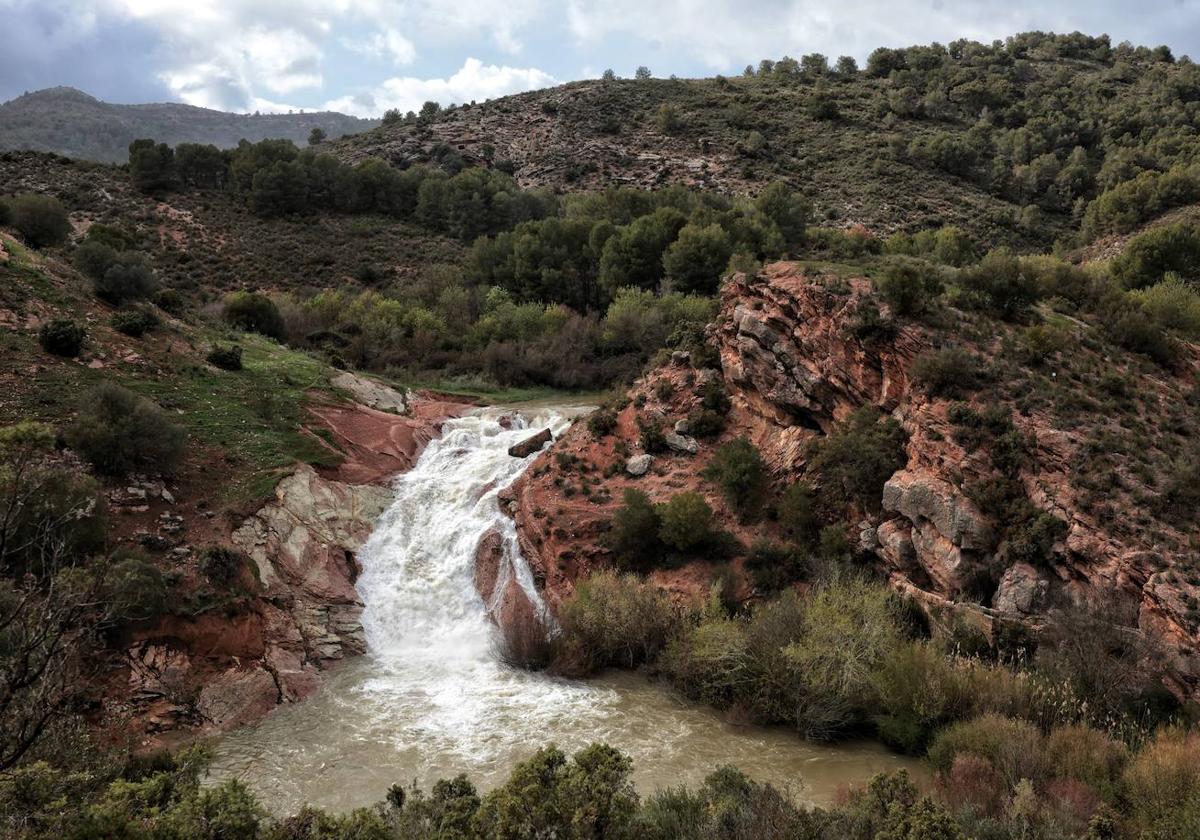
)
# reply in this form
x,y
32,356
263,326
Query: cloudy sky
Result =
x,y
364,56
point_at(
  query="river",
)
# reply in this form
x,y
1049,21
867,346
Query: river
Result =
x,y
431,699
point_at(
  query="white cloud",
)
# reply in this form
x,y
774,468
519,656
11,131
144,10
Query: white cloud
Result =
x,y
388,43
473,81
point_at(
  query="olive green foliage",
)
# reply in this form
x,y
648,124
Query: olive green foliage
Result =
x,y
740,471
49,510
1001,284
612,620
120,432
152,166
134,590
254,312
908,286
851,465
222,566
127,277
948,372
134,321
686,522
227,357
633,533
696,259
589,796
797,513
1172,304
41,219
1147,258
62,337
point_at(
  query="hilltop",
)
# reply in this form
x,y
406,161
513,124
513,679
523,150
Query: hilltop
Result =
x,y
1004,140
69,122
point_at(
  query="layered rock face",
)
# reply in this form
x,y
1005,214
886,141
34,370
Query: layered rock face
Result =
x,y
226,668
794,368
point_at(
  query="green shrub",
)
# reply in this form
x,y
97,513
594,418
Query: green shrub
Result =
x,y
696,259
94,257
1150,256
948,372
633,534
1001,284
225,357
1014,748
41,219
920,691
134,590
773,567
797,511
128,277
169,301
1087,755
686,522
709,662
1172,304
1042,342
650,436
612,620
908,286
601,422
1132,330
120,432
547,796
134,322
222,566
254,312
742,474
852,464
62,337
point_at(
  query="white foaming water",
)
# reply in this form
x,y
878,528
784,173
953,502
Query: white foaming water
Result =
x,y
431,699
426,626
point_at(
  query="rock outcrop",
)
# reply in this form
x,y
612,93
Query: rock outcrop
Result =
x,y
531,444
794,366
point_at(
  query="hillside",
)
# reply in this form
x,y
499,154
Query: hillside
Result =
x,y
68,122
1003,141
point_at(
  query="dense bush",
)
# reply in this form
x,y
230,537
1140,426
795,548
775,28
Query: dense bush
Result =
x,y
696,259
742,474
41,219
1001,284
686,522
908,286
852,464
134,322
612,620
135,590
62,337
127,277
120,432
1150,256
222,566
948,372
254,312
633,534
225,357
1172,304
93,257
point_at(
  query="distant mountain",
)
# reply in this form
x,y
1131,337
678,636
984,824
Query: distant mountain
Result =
x,y
70,122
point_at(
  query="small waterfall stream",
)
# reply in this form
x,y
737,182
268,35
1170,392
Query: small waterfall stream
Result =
x,y
431,698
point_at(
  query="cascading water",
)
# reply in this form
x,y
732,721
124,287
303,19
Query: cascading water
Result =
x,y
431,699
426,626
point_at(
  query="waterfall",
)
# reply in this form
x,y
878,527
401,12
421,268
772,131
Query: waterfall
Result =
x,y
426,626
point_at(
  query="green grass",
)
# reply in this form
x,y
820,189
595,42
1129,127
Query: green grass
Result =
x,y
254,414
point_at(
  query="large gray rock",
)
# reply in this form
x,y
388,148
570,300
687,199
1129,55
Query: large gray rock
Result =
x,y
923,498
371,393
682,443
1022,590
639,465
530,444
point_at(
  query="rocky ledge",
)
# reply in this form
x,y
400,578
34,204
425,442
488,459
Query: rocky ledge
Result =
x,y
793,366
231,666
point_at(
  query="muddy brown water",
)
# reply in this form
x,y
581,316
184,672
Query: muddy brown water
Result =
x,y
431,698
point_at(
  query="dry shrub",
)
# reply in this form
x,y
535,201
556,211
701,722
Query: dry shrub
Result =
x,y
523,638
1162,785
1013,747
972,782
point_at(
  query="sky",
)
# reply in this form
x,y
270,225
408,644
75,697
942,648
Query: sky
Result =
x,y
363,57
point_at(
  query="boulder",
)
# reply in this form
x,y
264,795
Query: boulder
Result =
x,y
531,444
922,497
682,443
1022,590
639,465
237,697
